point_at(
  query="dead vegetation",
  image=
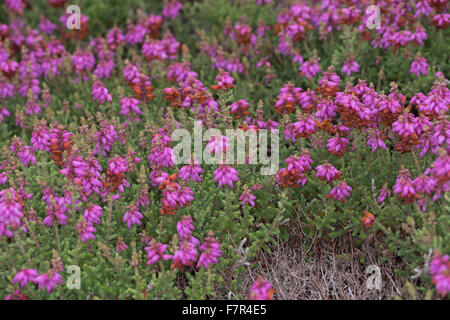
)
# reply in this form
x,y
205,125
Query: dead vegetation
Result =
x,y
324,270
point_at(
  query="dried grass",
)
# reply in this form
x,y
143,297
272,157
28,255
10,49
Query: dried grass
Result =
x,y
323,270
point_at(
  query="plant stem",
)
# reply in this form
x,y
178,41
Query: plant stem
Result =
x,y
416,161
8,254
109,218
77,249
29,227
57,238
19,243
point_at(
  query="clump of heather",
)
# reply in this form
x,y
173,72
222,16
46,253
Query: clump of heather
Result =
x,y
352,122
261,290
439,270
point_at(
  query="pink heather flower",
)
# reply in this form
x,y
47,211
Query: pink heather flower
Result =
x,y
191,171
3,112
218,145
390,104
404,188
404,126
440,168
122,246
155,252
288,99
261,290
337,145
225,175
84,173
16,295
11,213
160,153
154,50
185,196
180,72
384,192
326,110
422,202
340,192
401,38
299,163
310,69
46,26
85,229
420,34
171,9
173,195
30,85
57,208
434,104
210,252
247,196
239,107
304,128
440,273
423,8
117,167
135,34
6,89
224,80
130,72
24,276
286,178
171,45
130,108
350,66
9,68
157,177
144,198
327,172
442,20
23,152
187,251
100,93
15,6
231,65
419,66
330,80
40,138
374,140
83,63
132,216
297,59
3,178
104,68
106,137
93,213
424,184
185,227
48,280
114,38
32,107
420,123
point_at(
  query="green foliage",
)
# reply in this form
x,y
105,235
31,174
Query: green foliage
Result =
x,y
242,231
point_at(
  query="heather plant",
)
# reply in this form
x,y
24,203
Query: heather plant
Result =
x,y
94,203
